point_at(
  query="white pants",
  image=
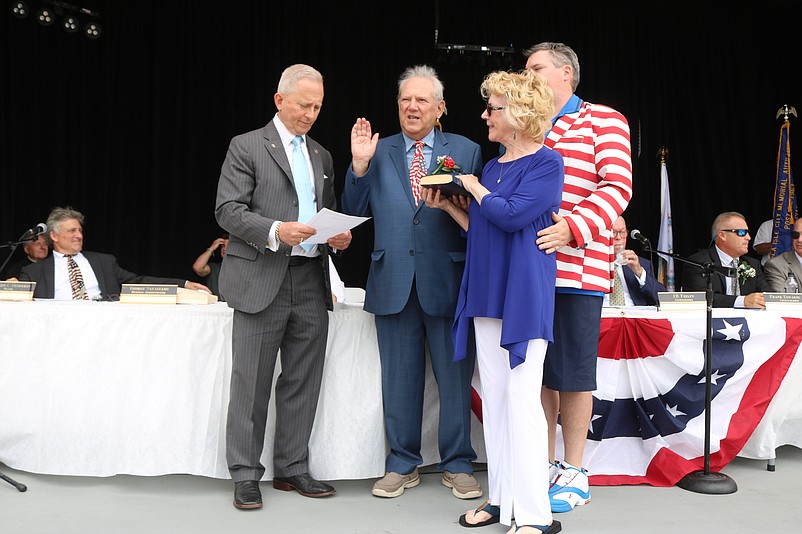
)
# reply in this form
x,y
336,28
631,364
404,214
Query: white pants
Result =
x,y
514,427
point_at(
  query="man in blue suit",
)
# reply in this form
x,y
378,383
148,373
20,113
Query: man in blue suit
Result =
x,y
640,287
415,272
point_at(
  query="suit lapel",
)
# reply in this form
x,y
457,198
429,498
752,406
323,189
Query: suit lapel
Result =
x,y
49,276
276,150
398,155
718,277
794,265
317,168
97,268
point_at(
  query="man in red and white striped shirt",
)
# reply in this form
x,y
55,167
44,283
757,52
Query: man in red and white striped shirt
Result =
x,y
594,142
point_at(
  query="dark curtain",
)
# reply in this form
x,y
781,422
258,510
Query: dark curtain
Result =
x,y
132,128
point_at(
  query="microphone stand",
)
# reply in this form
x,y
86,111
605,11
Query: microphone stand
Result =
x,y
20,487
705,481
13,246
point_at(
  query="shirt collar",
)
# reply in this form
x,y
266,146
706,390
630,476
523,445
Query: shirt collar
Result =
x,y
60,255
285,135
428,140
726,259
573,105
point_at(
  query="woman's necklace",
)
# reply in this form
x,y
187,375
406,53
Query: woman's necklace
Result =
x,y
503,172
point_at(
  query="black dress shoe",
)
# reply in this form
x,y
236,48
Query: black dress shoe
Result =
x,y
303,484
247,495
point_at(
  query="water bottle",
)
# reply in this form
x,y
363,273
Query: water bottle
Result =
x,y
791,285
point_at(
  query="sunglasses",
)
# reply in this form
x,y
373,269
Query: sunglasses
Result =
x,y
794,234
740,232
490,109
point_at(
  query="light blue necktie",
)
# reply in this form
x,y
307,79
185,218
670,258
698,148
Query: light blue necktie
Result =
x,y
300,174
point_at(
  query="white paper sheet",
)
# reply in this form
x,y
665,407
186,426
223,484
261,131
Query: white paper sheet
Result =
x,y
329,223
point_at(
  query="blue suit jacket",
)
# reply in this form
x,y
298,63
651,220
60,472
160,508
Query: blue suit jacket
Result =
x,y
411,243
646,295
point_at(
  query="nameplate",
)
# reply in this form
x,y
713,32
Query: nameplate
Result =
x,y
682,301
149,294
17,291
191,296
783,301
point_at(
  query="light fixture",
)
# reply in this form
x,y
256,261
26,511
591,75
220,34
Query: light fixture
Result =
x,y
71,24
71,18
92,30
20,10
45,16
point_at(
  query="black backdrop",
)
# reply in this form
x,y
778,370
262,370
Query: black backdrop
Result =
x,y
132,128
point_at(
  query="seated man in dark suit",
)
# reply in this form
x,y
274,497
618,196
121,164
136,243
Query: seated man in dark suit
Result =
x,y
70,274
35,250
778,269
637,282
731,243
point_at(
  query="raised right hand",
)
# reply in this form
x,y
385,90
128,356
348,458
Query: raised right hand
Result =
x,y
363,145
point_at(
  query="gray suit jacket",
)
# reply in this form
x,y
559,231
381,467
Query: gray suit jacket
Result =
x,y
110,276
776,271
256,189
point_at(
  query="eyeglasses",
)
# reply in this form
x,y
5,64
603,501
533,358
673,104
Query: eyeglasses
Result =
x,y
490,109
740,232
794,234
619,233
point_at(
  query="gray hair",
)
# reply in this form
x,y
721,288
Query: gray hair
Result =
x,y
294,73
561,55
58,216
422,71
719,221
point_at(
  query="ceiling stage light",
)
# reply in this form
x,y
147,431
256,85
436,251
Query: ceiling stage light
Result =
x,y
45,16
20,9
71,24
92,30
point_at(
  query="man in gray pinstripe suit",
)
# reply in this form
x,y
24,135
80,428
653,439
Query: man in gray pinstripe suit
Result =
x,y
280,291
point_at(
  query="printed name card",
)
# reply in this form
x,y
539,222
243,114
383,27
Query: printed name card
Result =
x,y
149,294
682,301
17,291
783,301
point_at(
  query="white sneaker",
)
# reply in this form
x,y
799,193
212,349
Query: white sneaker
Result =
x,y
570,489
554,469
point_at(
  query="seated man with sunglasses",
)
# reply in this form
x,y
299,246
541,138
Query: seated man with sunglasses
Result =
x,y
778,268
729,248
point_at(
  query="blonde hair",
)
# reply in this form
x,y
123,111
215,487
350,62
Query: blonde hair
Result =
x,y
529,101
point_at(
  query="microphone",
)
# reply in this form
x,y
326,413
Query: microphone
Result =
x,y
34,232
635,234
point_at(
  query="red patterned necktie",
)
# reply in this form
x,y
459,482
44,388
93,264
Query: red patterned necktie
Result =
x,y
76,279
416,171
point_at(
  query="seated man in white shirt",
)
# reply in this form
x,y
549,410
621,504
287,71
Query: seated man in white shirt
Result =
x,y
762,241
731,244
72,274
637,281
777,269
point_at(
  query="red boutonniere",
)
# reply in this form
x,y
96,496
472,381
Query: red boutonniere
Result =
x,y
446,164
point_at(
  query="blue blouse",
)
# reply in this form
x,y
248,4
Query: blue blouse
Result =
x,y
506,276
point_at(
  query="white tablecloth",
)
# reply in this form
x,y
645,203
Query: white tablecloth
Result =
x,y
100,389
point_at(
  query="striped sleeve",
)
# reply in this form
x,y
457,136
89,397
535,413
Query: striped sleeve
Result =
x,y
595,147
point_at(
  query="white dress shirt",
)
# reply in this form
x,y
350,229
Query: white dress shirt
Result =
x,y
63,288
726,261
